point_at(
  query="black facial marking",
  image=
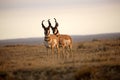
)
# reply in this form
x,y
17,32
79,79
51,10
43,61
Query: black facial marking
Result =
x,y
55,30
47,31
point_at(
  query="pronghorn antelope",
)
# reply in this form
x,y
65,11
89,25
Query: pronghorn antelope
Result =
x,y
50,41
65,41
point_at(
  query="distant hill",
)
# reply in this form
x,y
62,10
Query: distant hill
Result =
x,y
25,41
95,36
76,38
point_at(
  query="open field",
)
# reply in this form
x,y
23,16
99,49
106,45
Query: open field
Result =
x,y
92,60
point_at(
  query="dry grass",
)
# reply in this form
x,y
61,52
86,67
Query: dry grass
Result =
x,y
91,60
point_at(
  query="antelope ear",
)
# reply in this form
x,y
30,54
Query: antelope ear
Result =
x,y
43,24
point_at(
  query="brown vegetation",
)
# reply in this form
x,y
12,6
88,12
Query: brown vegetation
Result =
x,y
93,60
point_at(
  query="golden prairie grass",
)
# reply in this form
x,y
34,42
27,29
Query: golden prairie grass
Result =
x,y
91,60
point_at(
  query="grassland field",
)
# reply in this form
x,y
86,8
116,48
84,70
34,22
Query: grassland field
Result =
x,y
92,60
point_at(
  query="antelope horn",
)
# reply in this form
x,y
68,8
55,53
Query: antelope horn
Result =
x,y
56,25
49,23
43,24
55,20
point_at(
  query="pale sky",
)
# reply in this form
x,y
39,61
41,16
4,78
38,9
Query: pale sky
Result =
x,y
22,18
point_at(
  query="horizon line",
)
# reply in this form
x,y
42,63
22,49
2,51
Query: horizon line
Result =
x,y
70,35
